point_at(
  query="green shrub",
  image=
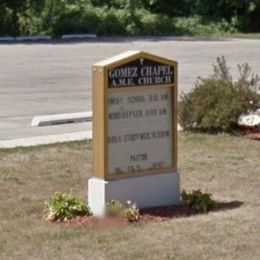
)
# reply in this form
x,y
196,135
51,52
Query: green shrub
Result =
x,y
76,20
110,22
216,102
155,24
62,206
196,25
198,201
115,208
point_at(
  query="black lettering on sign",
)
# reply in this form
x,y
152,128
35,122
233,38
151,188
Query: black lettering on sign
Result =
x,y
115,101
134,168
141,72
114,139
138,157
136,99
144,136
157,165
125,114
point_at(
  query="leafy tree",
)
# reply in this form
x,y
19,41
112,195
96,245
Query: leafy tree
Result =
x,y
169,7
15,6
43,16
19,7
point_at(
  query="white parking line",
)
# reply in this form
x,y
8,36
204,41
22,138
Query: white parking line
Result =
x,y
62,119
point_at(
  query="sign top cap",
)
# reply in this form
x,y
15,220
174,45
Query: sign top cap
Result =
x,y
128,55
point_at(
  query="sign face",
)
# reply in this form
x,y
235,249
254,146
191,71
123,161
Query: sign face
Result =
x,y
139,129
137,135
140,72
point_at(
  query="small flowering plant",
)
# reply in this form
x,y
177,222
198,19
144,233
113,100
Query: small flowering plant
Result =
x,y
130,212
114,208
62,206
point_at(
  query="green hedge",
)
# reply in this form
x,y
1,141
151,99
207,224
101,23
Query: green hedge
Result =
x,y
111,21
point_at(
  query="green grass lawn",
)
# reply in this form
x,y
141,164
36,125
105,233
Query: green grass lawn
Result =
x,y
228,167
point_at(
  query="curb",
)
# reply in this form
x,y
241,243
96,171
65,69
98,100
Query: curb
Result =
x,y
47,37
25,38
78,36
56,119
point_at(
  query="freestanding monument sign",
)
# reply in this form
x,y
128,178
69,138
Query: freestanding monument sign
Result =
x,y
134,131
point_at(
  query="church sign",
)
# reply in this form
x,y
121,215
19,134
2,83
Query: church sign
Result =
x,y
134,116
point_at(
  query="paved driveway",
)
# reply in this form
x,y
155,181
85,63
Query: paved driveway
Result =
x,y
40,79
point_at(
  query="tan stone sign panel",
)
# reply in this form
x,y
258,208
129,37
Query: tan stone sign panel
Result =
x,y
134,116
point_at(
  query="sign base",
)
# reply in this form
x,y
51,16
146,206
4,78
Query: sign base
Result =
x,y
146,191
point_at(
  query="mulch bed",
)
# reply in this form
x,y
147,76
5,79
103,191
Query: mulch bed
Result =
x,y
156,214
254,136
146,216
252,133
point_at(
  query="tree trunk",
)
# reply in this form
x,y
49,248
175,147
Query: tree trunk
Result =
x,y
15,25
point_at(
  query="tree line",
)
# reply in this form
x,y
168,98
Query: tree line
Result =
x,y
128,17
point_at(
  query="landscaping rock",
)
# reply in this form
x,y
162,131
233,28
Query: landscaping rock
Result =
x,y
250,120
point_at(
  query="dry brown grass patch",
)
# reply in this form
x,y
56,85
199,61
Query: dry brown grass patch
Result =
x,y
228,167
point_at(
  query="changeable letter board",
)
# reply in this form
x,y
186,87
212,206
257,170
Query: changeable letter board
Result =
x,y
134,116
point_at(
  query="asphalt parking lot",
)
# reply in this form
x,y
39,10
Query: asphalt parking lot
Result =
x,y
55,77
